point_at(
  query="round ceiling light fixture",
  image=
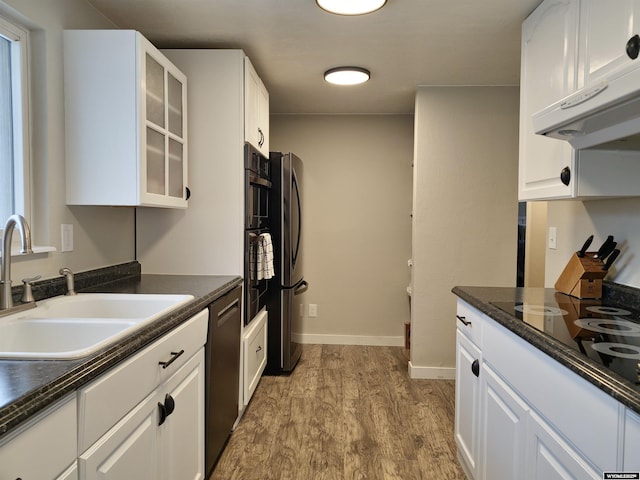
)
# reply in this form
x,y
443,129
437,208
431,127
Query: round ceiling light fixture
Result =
x,y
351,7
347,75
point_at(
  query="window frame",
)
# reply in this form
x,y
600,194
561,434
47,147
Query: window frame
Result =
x,y
21,94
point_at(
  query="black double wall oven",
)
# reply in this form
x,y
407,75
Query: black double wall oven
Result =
x,y
257,188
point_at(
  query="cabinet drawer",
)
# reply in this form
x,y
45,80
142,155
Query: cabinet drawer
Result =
x,y
124,386
469,321
43,449
577,408
255,354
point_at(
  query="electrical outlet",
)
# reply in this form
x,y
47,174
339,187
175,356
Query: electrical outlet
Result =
x,y
313,310
553,238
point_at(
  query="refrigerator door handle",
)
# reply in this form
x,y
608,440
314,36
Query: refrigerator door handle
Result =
x,y
299,284
294,185
301,287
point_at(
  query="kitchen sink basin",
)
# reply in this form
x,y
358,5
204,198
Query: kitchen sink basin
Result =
x,y
72,327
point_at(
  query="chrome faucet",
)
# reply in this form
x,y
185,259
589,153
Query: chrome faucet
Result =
x,y
6,300
71,290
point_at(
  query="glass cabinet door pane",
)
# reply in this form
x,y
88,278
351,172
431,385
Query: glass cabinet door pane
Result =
x,y
176,182
174,90
155,91
155,162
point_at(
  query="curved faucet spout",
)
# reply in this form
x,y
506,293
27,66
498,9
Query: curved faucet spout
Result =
x,y
6,300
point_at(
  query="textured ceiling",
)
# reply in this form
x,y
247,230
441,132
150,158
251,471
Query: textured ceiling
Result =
x,y
292,42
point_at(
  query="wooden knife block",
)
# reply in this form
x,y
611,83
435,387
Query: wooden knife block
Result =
x,y
582,277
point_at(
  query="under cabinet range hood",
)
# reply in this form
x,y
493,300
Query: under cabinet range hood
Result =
x,y
605,114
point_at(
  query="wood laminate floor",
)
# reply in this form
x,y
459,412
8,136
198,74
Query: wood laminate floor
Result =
x,y
346,412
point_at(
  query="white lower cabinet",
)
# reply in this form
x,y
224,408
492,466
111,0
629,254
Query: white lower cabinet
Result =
x,y
467,402
161,438
527,417
549,457
503,421
254,347
144,419
128,450
44,449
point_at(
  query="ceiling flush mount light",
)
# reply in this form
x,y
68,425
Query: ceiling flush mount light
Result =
x,y
351,7
347,75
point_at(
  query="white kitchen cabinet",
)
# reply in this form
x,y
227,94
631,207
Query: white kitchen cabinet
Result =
x,y
549,457
256,111
547,73
605,29
503,420
146,443
556,61
45,448
129,450
126,121
254,347
467,420
182,433
122,433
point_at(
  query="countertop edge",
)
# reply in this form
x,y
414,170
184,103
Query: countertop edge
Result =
x,y
81,372
606,380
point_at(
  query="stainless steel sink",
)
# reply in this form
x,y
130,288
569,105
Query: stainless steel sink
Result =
x,y
77,326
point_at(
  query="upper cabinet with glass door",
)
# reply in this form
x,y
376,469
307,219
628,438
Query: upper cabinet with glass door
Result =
x,y
126,121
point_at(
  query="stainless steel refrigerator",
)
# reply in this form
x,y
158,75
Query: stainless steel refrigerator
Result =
x,y
286,300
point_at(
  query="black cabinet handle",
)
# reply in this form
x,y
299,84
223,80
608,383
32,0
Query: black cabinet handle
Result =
x,y
475,368
633,47
174,357
565,176
259,349
162,411
463,320
187,191
169,404
165,409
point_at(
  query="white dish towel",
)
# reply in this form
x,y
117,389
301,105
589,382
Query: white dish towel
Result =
x,y
265,257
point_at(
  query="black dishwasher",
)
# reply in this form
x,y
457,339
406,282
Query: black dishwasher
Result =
x,y
222,374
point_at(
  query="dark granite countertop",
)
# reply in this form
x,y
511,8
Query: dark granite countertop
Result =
x,y
28,386
602,377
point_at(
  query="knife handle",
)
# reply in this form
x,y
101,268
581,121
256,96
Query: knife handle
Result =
x,y
611,259
604,246
586,245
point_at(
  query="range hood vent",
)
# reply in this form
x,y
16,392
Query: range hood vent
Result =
x,y
605,115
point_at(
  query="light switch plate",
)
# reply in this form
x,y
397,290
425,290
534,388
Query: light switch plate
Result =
x,y
553,238
66,230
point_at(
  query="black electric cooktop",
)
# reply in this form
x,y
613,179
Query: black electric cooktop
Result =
x,y
608,334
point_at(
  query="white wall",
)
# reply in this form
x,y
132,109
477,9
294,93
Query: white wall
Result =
x,y
465,210
103,236
357,228
575,221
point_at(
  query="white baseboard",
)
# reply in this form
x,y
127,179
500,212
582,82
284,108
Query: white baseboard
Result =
x,y
318,339
432,373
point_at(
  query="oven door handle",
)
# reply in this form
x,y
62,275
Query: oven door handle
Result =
x,y
256,180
